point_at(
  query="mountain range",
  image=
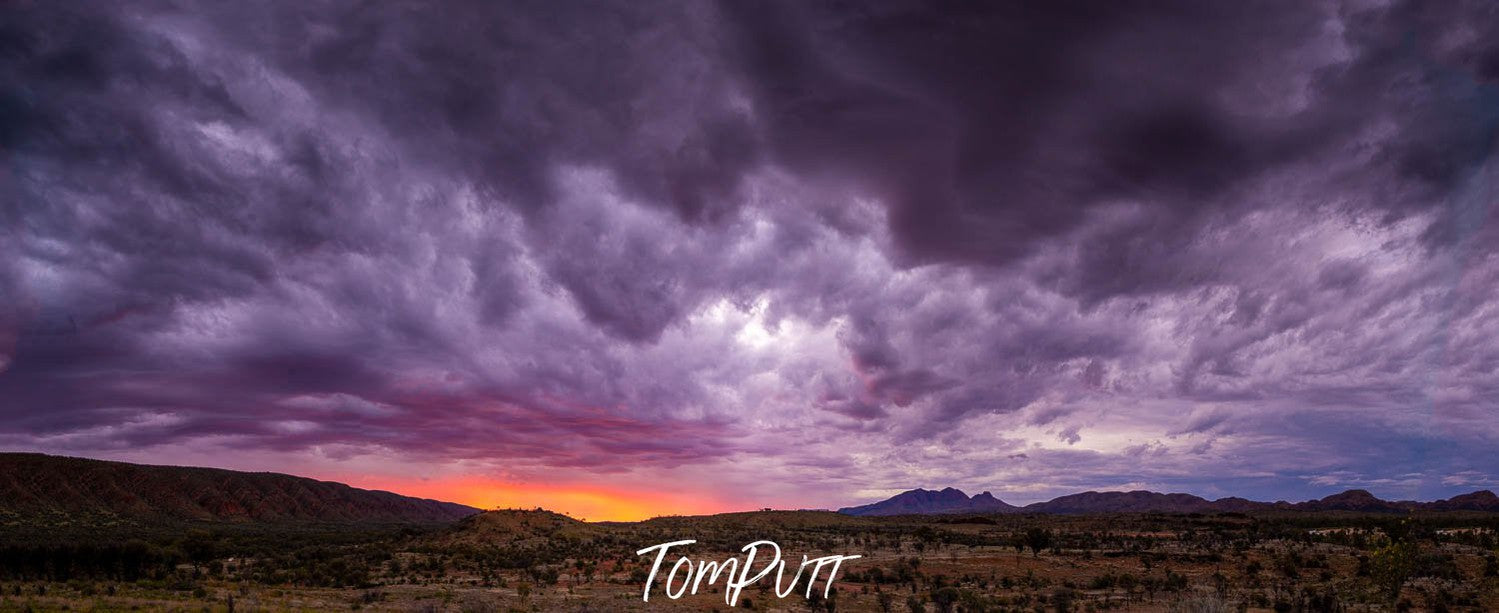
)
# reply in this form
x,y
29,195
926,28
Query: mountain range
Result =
x,y
950,500
40,491
45,490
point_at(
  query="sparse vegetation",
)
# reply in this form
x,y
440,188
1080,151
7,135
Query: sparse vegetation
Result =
x,y
539,561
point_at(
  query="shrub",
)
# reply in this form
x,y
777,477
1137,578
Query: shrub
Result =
x,y
1202,603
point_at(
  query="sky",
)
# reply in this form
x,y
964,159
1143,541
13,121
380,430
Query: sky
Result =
x,y
624,259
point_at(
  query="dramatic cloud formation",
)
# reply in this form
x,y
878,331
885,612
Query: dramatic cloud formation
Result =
x,y
799,254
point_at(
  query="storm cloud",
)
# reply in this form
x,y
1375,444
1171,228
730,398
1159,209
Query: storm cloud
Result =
x,y
1226,248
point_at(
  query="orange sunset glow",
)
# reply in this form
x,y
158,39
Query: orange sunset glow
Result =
x,y
580,501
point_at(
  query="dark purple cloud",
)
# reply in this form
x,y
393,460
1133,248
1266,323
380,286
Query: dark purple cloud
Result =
x,y
1229,248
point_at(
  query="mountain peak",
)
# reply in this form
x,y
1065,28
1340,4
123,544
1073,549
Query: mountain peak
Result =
x,y
1481,500
923,501
1137,501
1354,494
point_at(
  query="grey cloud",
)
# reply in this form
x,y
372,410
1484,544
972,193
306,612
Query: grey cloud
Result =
x,y
668,231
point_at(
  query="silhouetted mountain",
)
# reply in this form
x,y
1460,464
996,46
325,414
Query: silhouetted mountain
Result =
x,y
1122,502
43,490
919,501
927,502
1235,504
1481,500
1354,500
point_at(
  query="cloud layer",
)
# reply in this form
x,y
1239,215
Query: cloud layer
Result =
x,y
788,252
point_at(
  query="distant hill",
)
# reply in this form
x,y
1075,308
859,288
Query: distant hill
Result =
x,y
1122,502
753,520
1482,500
46,491
1356,500
925,502
516,527
928,502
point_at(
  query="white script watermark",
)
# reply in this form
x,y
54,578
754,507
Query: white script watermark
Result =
x,y
736,577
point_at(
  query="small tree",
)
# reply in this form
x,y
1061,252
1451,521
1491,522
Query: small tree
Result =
x,y
1391,565
946,598
1037,539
